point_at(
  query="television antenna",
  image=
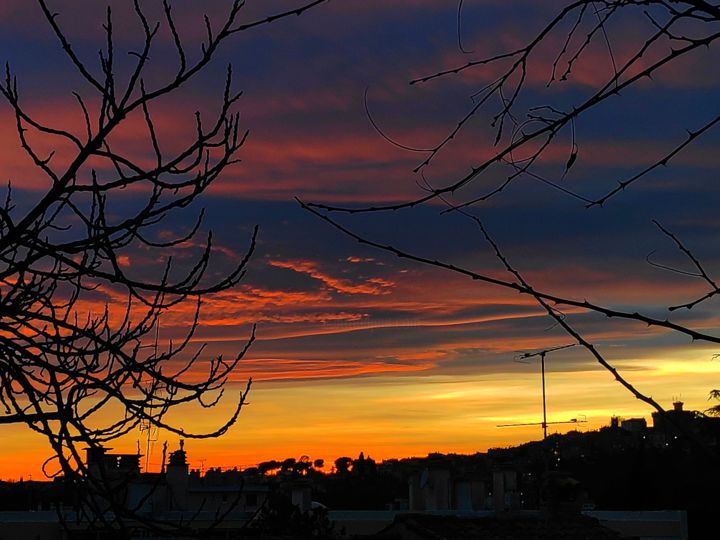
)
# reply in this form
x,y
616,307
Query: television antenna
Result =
x,y
544,423
146,425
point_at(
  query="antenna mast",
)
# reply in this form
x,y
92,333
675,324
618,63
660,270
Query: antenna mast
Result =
x,y
146,425
544,422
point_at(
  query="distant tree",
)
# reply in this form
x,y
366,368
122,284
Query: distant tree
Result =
x,y
342,465
267,466
79,374
303,466
525,135
356,484
715,409
288,465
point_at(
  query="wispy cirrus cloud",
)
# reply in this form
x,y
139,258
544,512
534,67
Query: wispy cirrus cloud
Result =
x,y
370,286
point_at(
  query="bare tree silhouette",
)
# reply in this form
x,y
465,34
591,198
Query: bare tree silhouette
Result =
x,y
523,135
82,376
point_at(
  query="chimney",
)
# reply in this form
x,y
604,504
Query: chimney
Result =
x,y
678,406
177,479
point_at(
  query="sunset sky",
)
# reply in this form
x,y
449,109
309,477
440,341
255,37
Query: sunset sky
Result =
x,y
358,350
